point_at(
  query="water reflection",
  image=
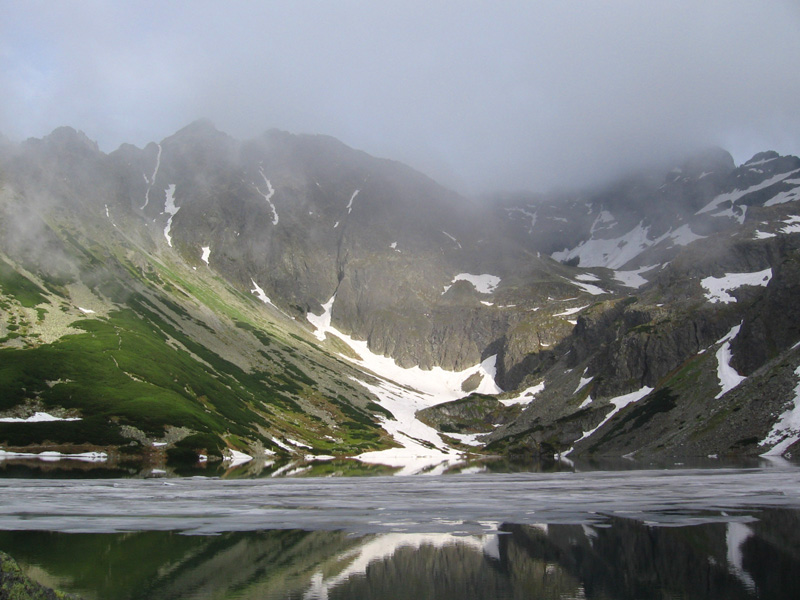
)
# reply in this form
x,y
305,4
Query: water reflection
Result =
x,y
743,558
348,467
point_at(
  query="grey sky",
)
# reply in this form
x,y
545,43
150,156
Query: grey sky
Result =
x,y
480,95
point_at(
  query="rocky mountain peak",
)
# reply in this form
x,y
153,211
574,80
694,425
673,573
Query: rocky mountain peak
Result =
x,y
68,140
710,160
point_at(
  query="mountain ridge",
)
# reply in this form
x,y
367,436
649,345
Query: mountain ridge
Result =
x,y
229,249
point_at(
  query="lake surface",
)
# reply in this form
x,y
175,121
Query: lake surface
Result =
x,y
692,533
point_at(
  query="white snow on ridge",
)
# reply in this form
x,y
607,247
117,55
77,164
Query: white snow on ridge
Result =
x,y
786,430
738,194
584,381
171,210
570,311
717,288
206,254
108,215
485,284
612,253
619,403
783,197
589,288
587,277
39,417
729,378
151,181
633,279
268,195
526,396
792,225
260,293
603,218
404,391
683,235
455,241
322,322
350,204
530,215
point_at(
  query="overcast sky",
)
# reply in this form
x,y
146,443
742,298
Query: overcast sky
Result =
x,y
481,95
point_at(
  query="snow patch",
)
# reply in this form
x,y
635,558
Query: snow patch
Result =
x,y
571,311
683,235
717,288
268,195
528,214
729,378
793,224
404,391
619,403
604,218
633,279
171,210
39,417
584,381
260,293
589,288
350,204
151,181
786,430
86,311
455,241
783,197
736,195
612,253
206,254
322,322
526,396
108,215
484,284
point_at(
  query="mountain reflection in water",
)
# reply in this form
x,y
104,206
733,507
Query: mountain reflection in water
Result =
x,y
621,559
746,545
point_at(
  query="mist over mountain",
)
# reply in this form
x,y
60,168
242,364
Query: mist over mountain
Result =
x,y
481,97
289,298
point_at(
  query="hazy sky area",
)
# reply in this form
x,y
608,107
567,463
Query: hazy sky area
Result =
x,y
480,95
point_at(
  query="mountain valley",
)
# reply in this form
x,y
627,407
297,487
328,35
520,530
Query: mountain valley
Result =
x,y
292,301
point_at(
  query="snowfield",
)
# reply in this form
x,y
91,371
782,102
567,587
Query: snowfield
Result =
x,y
786,430
619,403
171,210
404,391
717,288
39,417
736,195
729,378
484,284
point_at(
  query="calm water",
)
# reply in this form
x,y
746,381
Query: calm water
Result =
x,y
724,533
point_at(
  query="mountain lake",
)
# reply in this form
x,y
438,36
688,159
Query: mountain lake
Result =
x,y
684,532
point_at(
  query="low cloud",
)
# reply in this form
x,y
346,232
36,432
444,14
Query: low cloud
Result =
x,y
480,95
